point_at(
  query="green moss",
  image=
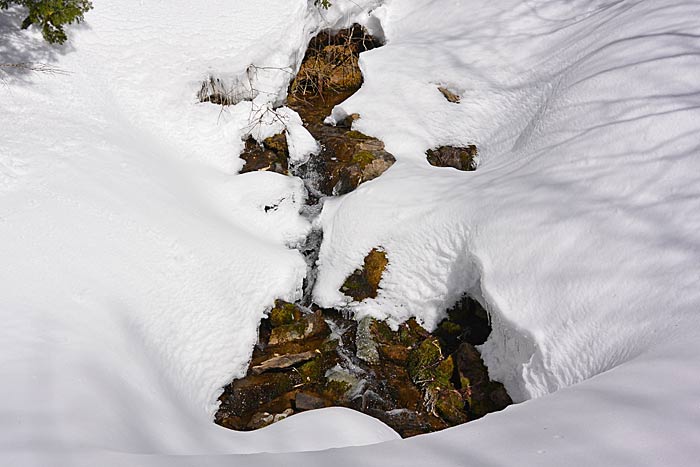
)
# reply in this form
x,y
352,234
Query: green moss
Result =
x,y
424,361
478,408
363,283
407,333
464,382
288,333
443,372
329,346
382,332
312,370
363,158
283,313
356,135
450,406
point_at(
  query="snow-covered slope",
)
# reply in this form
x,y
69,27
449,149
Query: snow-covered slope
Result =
x,y
136,265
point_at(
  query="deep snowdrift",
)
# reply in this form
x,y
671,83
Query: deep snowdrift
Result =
x,y
137,265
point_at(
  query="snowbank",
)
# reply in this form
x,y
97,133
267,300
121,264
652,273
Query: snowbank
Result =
x,y
137,266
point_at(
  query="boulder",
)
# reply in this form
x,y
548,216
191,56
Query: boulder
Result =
x,y
460,158
350,158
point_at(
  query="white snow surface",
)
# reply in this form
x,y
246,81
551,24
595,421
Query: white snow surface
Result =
x,y
137,264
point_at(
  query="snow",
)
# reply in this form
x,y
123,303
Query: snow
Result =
x,y
138,264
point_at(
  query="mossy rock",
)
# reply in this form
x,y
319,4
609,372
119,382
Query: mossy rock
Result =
x,y
310,326
363,158
450,406
312,371
411,333
423,362
350,158
356,135
382,333
364,283
284,313
444,371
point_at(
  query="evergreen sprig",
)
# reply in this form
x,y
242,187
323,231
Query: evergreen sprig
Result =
x,y
52,15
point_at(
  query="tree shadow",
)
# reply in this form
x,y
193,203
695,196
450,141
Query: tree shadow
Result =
x,y
23,53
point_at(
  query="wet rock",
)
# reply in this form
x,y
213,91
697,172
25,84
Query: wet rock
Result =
x,y
271,155
460,158
283,361
363,283
310,326
306,401
366,346
449,95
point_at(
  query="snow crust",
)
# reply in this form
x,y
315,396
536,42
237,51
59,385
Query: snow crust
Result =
x,y
137,265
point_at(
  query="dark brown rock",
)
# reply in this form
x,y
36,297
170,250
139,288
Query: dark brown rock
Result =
x,y
460,158
272,155
394,352
306,401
